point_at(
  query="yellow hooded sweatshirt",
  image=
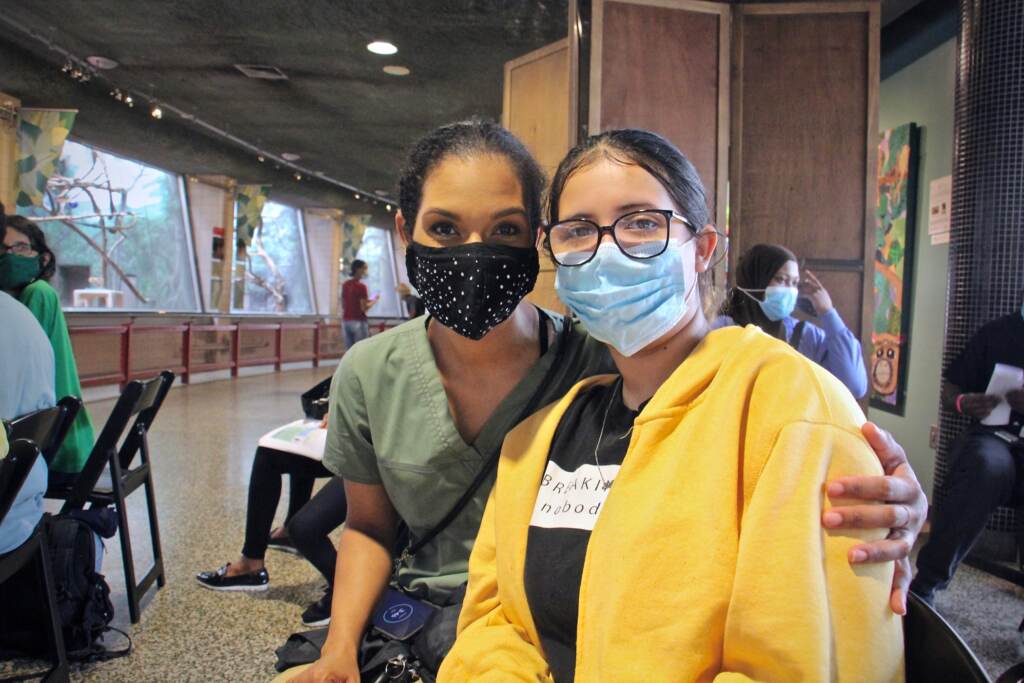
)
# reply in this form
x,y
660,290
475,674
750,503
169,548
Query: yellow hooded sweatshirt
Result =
x,y
708,561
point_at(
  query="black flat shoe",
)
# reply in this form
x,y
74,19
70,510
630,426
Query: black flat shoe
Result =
x,y
284,544
220,581
319,613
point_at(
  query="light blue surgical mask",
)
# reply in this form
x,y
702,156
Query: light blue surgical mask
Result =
x,y
624,302
778,302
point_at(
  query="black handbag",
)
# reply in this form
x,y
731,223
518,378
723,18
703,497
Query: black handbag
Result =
x,y
315,401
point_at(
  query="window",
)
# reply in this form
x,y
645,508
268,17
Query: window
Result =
x,y
272,273
378,252
119,233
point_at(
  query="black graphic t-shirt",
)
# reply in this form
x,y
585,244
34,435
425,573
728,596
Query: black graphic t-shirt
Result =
x,y
582,465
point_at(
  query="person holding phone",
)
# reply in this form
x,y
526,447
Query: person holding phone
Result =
x,y
356,302
769,287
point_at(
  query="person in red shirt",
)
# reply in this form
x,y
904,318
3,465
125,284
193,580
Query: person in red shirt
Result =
x,y
355,302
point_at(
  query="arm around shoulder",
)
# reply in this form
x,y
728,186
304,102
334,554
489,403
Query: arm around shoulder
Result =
x,y
799,610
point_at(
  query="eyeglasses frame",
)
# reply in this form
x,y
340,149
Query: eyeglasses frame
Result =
x,y
603,230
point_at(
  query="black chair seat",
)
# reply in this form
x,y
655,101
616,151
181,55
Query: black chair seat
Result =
x,y
933,649
109,477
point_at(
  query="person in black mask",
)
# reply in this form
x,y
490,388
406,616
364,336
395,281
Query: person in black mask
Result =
x,y
417,413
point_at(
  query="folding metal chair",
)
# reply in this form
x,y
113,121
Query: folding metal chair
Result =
x,y
14,470
142,401
47,427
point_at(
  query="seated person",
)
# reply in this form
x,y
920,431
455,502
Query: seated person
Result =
x,y
306,529
984,472
768,286
26,385
663,523
26,266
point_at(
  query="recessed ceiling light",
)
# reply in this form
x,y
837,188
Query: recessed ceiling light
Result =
x,y
102,62
290,156
396,70
382,47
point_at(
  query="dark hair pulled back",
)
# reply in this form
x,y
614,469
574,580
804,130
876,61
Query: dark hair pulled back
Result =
x,y
465,139
660,158
755,270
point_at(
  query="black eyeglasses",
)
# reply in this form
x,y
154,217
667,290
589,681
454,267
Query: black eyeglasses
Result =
x,y
637,234
20,248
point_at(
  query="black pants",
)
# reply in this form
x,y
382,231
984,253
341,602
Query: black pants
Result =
x,y
308,521
984,474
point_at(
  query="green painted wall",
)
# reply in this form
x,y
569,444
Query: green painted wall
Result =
x,y
922,93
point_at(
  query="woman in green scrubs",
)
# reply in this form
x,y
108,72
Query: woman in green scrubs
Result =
x,y
26,265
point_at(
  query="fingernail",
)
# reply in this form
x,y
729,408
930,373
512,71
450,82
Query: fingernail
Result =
x,y
832,519
858,556
903,604
835,489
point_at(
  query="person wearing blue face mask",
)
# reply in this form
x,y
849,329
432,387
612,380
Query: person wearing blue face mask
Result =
x,y
768,287
660,522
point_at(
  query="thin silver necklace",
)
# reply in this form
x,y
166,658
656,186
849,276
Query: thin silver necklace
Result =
x,y
604,421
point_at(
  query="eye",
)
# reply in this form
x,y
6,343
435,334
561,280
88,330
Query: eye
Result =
x,y
507,230
443,230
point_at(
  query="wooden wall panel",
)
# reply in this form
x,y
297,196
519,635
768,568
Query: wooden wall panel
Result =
x,y
298,342
156,350
536,102
97,354
659,71
8,149
804,134
537,109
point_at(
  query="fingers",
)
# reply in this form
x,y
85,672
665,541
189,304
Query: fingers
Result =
x,y
885,489
889,452
900,586
894,547
894,517
813,280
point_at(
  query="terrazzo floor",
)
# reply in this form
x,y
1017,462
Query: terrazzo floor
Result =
x,y
202,444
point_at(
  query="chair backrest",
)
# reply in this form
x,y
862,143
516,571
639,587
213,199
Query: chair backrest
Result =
x,y
48,427
154,391
14,471
933,651
140,400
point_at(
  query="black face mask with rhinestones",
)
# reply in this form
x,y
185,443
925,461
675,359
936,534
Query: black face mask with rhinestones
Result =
x,y
472,288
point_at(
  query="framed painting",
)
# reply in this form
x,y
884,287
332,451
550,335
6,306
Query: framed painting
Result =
x,y
894,248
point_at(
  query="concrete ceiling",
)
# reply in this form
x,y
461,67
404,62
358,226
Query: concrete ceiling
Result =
x,y
337,109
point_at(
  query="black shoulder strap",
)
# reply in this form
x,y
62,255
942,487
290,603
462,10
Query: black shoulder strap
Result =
x,y
798,333
492,460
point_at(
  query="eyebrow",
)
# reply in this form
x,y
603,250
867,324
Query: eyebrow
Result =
x,y
511,211
623,209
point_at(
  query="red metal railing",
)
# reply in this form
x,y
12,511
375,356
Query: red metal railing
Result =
x,y
116,354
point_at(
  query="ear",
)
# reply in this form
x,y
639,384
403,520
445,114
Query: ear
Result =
x,y
706,241
400,228
45,259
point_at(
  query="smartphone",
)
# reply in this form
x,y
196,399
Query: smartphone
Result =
x,y
804,305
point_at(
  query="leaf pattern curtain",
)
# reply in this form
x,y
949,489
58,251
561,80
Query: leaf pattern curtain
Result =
x,y
352,237
249,210
41,136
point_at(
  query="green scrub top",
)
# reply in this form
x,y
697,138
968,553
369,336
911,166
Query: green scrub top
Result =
x,y
42,300
389,424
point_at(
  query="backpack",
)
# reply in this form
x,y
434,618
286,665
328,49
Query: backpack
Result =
x,y
83,598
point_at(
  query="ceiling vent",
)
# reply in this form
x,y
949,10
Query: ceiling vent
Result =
x,y
262,71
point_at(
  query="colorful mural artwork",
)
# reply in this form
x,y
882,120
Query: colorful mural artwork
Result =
x,y
894,239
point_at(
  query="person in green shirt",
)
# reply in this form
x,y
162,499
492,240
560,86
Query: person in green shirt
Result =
x,y
415,412
26,265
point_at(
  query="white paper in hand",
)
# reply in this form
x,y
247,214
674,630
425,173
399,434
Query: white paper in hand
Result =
x,y
302,437
1005,378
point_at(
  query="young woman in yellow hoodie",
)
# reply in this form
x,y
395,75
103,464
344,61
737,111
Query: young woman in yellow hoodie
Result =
x,y
662,524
